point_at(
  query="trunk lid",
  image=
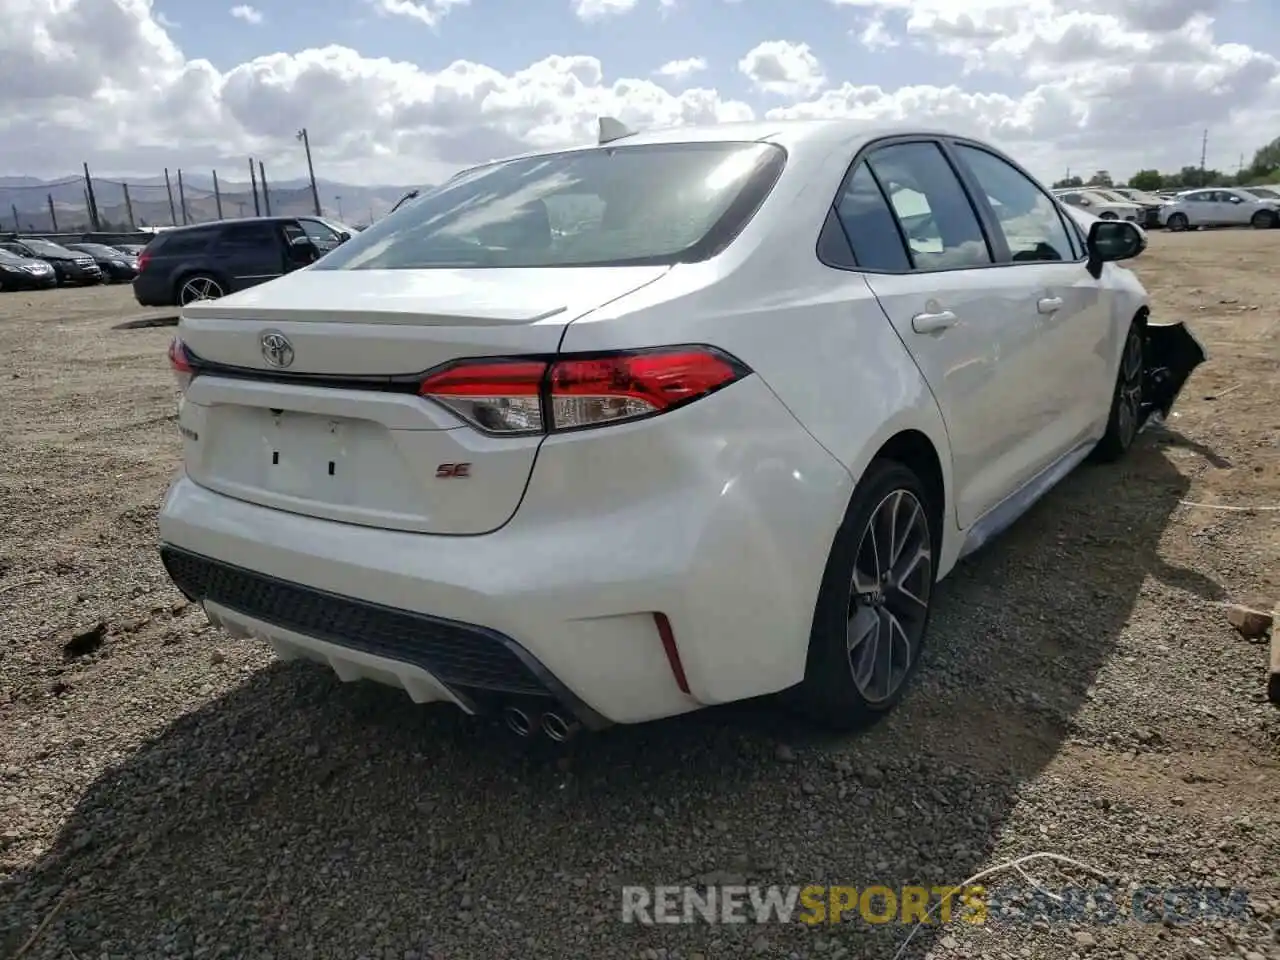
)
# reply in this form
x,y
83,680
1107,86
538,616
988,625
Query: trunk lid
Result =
x,y
360,447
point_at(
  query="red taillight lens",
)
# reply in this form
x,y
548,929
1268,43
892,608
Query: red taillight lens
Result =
x,y
143,259
512,397
498,396
180,363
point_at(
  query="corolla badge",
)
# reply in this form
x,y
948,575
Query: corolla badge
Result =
x,y
276,349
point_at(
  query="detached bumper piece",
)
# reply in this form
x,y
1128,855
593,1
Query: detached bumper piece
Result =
x,y
1172,355
475,663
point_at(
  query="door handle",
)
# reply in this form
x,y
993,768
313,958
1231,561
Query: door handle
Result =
x,y
934,322
1049,304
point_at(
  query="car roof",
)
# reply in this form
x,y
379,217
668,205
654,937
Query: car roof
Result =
x,y
228,222
850,133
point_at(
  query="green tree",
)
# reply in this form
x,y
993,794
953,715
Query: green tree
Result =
x,y
1100,179
1266,160
1067,183
1147,180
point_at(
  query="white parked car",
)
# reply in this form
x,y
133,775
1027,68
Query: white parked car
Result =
x,y
1140,197
618,432
1101,205
1220,207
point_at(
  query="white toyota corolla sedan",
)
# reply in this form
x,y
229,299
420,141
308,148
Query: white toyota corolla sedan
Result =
x,y
614,433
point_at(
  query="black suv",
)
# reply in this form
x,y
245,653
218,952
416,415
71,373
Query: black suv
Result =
x,y
116,265
210,260
68,266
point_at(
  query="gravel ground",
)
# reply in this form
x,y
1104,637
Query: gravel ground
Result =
x,y
168,792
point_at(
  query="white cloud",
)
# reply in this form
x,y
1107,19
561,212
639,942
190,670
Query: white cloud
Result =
x,y
876,35
247,13
429,12
1114,84
682,69
783,68
599,9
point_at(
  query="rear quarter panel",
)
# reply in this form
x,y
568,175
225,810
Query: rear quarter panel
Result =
x,y
815,335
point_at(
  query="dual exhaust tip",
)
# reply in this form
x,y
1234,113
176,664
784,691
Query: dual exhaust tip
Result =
x,y
554,725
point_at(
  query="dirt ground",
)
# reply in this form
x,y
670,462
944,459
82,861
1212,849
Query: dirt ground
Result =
x,y
168,792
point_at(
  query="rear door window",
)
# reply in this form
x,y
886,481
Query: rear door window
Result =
x,y
932,207
869,224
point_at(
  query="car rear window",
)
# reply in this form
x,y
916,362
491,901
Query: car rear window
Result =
x,y
188,241
608,206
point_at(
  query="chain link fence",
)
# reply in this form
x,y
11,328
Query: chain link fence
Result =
x,y
95,204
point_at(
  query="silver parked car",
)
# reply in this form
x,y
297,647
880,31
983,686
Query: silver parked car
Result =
x,y
1220,207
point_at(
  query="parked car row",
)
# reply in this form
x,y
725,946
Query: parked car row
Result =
x,y
1258,207
31,263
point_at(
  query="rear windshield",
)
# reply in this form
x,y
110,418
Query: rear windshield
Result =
x,y
46,249
610,206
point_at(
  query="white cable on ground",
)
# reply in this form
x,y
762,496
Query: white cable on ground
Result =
x,y
1015,865
1223,506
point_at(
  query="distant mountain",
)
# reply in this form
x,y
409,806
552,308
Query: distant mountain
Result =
x,y
28,199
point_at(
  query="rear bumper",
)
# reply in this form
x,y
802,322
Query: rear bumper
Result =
x,y
151,291
727,540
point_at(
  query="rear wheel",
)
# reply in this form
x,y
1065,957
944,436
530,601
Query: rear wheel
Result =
x,y
1107,215
200,286
1126,400
872,612
1264,220
1177,222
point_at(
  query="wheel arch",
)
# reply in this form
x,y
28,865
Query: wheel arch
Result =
x,y
920,443
915,451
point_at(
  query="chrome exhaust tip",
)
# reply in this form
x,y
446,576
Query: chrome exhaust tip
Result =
x,y
558,728
518,721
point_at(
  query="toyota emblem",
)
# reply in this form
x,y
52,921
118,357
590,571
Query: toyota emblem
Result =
x,y
276,349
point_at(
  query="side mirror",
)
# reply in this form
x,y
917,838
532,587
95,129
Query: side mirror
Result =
x,y
343,237
1237,199
1112,240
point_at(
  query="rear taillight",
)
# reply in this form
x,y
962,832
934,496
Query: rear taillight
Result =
x,y
180,364
143,259
518,397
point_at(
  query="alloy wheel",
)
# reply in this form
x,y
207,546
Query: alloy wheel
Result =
x,y
199,288
889,596
1129,396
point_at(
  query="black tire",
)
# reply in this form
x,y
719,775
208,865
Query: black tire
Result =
x,y
1263,220
1126,400
829,694
1107,215
1177,222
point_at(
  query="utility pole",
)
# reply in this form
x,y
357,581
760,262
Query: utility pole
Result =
x,y
17,224
93,201
217,194
128,207
311,172
53,217
338,197
253,180
173,213
266,193
182,199
1204,152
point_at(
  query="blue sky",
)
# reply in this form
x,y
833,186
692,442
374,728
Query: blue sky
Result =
x,y
509,35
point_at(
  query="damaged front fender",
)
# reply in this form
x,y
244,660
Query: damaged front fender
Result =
x,y
1171,354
